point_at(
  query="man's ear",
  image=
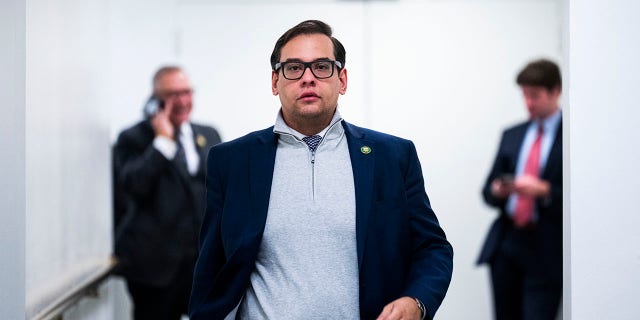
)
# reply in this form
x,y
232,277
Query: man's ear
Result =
x,y
343,81
274,82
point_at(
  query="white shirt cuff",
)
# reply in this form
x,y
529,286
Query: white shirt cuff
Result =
x,y
166,146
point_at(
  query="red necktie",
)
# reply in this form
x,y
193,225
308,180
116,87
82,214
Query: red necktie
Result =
x,y
525,204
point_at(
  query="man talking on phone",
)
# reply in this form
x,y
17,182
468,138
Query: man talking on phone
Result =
x,y
159,173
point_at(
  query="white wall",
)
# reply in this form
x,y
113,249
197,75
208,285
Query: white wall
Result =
x,y
68,194
604,177
142,36
12,168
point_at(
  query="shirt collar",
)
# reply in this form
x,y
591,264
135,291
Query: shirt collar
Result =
x,y
551,122
281,127
185,129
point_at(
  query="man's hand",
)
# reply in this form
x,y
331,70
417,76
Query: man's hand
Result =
x,y
531,186
404,308
501,189
161,122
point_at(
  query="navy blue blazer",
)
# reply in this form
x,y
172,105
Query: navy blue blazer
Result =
x,y
402,251
547,234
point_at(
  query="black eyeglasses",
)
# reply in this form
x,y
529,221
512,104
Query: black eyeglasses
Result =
x,y
172,94
321,69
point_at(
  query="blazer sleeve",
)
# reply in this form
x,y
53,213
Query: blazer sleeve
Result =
x,y
211,257
502,164
432,260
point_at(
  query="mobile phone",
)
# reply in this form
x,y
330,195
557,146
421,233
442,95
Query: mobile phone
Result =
x,y
506,178
152,106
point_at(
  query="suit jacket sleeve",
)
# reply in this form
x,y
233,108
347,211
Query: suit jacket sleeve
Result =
x,y
138,164
212,257
503,164
432,260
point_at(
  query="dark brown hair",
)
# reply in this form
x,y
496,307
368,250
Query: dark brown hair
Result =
x,y
308,27
543,73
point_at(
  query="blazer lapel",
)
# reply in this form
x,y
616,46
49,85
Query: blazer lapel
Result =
x,y
362,164
555,154
261,162
202,147
202,152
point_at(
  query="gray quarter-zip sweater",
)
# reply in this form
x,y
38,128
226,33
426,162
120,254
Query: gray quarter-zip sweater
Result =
x,y
307,267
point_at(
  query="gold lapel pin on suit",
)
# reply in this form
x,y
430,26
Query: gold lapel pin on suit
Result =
x,y
365,149
201,141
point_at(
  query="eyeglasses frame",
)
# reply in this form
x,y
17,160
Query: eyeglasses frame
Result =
x,y
281,65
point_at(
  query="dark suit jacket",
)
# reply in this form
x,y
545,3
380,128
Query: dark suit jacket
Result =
x,y
547,234
160,205
402,251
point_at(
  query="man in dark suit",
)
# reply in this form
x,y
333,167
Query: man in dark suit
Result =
x,y
524,245
159,168
315,218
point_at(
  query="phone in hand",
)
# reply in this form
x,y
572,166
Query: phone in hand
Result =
x,y
152,106
506,178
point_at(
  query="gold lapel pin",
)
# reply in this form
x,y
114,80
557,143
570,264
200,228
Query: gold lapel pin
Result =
x,y
201,141
365,149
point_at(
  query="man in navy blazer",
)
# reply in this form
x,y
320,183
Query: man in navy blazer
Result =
x,y
524,246
315,218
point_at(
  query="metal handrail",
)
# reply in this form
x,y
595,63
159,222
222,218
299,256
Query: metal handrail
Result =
x,y
86,287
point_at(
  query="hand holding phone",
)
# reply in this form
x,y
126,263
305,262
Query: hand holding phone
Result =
x,y
160,119
506,178
502,186
152,106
